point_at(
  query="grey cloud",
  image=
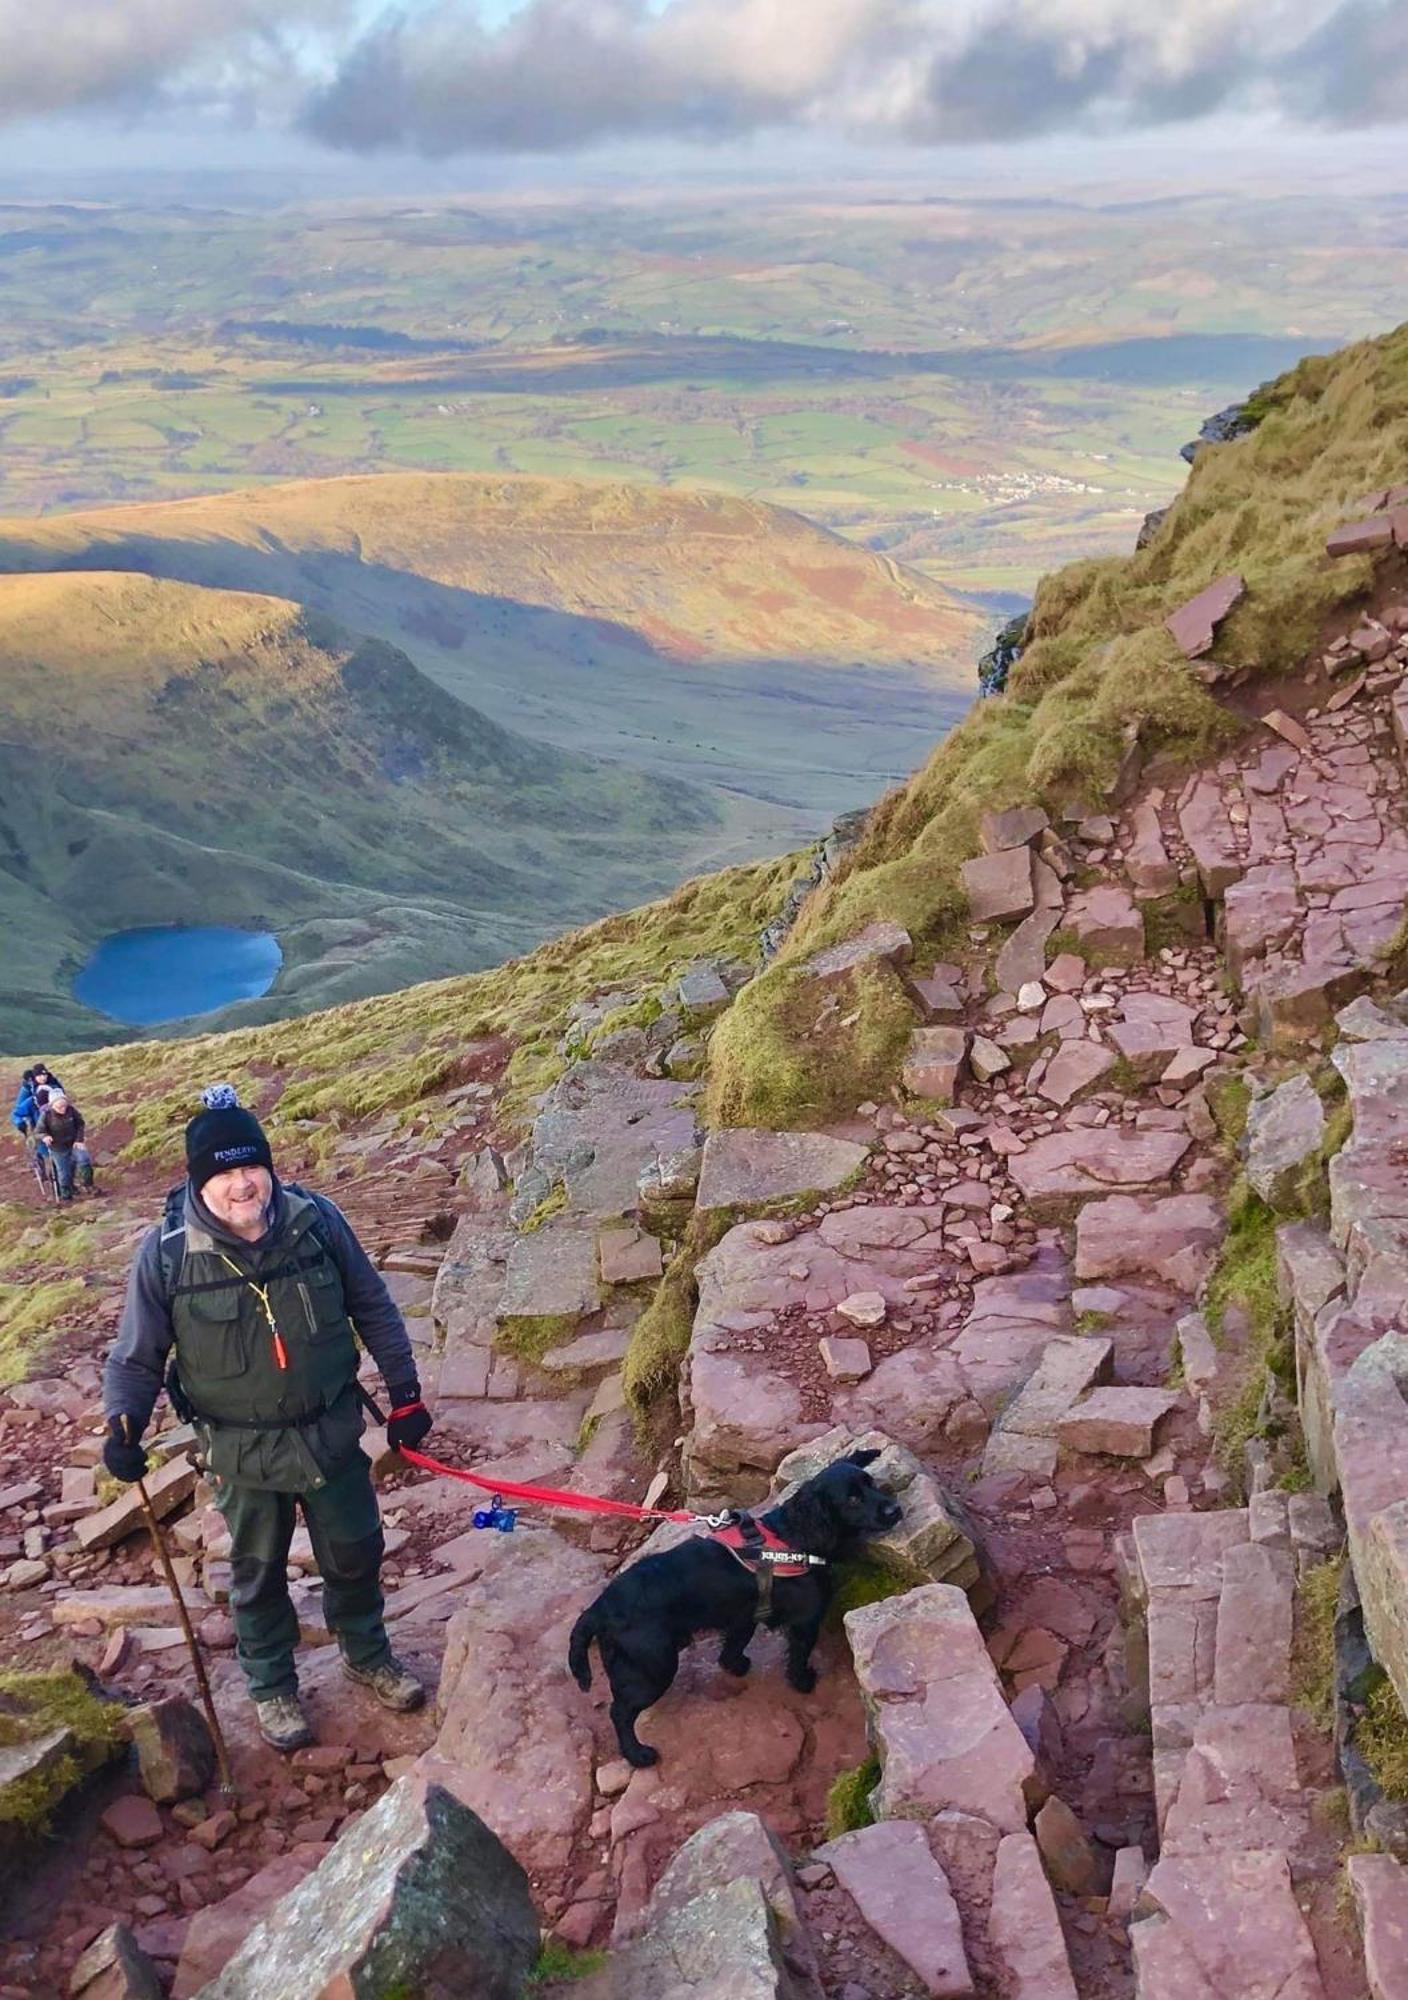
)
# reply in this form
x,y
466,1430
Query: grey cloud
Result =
x,y
73,55
565,73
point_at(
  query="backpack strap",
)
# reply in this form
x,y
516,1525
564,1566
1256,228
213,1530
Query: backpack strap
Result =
x,y
172,1247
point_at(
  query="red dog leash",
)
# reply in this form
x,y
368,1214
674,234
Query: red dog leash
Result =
x,y
547,1496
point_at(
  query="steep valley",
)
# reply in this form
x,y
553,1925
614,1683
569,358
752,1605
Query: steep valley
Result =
x,y
412,725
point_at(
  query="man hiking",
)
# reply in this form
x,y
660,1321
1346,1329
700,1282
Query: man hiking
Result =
x,y
263,1292
36,1087
60,1127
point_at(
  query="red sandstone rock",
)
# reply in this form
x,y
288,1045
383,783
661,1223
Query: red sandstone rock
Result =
x,y
1174,1238
904,1896
1000,885
1119,1423
1194,624
133,1822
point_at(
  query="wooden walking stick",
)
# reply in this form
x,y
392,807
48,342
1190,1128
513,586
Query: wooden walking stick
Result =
x,y
207,1702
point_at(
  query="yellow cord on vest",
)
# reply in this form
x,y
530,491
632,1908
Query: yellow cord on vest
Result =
x,y
261,1292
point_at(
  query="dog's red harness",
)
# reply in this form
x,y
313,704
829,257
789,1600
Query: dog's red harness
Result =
x,y
760,1548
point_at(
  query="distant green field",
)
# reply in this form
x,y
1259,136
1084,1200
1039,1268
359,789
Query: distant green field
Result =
x,y
983,389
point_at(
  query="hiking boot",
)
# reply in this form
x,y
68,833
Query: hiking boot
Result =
x,y
393,1684
282,1723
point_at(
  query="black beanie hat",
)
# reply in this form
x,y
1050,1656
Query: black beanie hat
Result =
x,y
223,1136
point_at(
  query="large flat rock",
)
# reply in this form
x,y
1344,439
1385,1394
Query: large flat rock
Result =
x,y
903,1894
601,1126
1221,1925
1172,1238
941,1729
551,1274
1064,1168
515,1740
746,1168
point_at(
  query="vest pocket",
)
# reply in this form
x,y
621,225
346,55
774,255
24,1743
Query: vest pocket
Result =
x,y
321,1295
213,1344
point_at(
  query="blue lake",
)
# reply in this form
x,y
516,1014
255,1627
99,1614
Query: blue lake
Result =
x,y
148,976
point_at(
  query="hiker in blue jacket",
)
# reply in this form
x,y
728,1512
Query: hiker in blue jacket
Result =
x,y
37,1085
259,1293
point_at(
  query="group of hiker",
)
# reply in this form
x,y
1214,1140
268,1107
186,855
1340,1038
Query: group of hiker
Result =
x,y
49,1122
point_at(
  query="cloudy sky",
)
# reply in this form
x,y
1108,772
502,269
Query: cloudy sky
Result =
x,y
450,79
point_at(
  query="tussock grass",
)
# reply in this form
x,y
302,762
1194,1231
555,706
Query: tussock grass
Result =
x,y
1313,1662
28,1314
31,1706
848,1805
794,1052
1381,1736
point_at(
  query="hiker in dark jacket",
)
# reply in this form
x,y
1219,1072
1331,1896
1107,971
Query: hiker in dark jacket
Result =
x,y
60,1125
263,1292
36,1087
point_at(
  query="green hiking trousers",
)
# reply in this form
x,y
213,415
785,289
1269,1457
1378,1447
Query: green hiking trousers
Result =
x,y
344,1525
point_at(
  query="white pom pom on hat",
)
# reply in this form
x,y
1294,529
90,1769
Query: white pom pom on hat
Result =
x,y
220,1097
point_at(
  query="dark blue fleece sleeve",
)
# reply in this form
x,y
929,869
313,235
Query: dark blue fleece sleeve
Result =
x,y
136,1366
370,1307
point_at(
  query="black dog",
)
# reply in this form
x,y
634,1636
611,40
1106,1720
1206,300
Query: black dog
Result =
x,y
645,1615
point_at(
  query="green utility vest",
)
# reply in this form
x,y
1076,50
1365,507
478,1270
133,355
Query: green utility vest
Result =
x,y
280,1414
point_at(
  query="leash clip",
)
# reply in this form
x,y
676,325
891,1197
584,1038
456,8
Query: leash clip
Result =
x,y
504,1519
714,1521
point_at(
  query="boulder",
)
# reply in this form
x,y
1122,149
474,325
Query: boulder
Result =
x,y
670,1176
935,1063
1071,1861
175,1750
701,993
879,943
1174,1239
1000,885
1107,923
1146,857
1019,826
745,1168
933,1542
724,1944
938,995
1119,1423
1255,1609
939,1724
1360,538
552,1274
216,1932
845,1360
988,1059
114,1967
420,1895
1285,1132
1022,957
628,1256
904,1896
738,1847
167,1488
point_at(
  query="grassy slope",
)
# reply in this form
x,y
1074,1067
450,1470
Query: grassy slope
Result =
x,y
1101,667
1333,430
698,575
169,753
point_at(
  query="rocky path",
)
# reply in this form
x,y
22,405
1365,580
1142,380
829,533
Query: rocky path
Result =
x,y
1075,1669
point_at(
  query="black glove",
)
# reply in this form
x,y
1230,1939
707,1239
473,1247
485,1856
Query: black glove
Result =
x,y
409,1421
122,1454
